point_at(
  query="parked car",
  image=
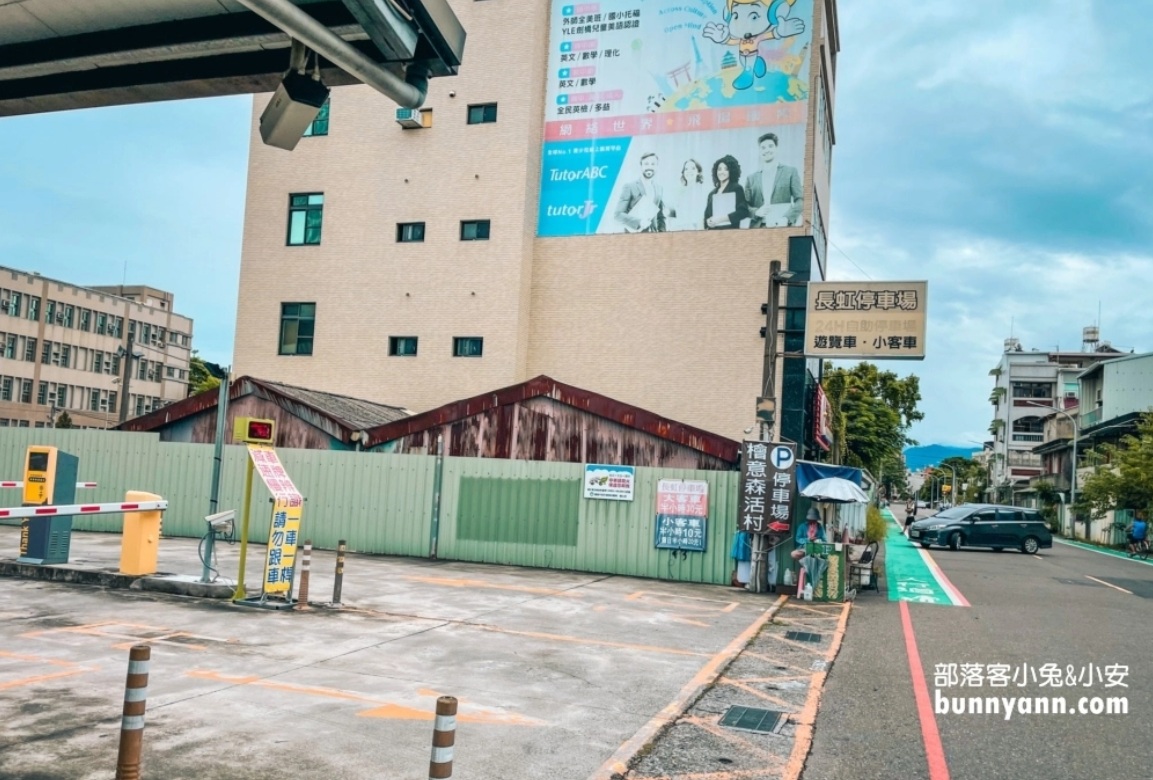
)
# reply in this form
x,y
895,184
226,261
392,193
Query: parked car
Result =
x,y
984,525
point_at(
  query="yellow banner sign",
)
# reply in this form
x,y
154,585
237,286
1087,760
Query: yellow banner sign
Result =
x,y
280,561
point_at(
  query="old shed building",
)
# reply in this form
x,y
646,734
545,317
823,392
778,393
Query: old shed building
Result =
x,y
543,419
305,419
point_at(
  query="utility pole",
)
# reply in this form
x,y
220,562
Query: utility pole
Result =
x,y
126,379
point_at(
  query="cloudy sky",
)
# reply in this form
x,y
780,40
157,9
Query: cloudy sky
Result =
x,y
1004,156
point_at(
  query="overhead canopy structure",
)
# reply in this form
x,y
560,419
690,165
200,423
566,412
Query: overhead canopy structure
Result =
x,y
64,54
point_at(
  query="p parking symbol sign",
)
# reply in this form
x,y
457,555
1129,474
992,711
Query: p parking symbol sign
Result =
x,y
782,457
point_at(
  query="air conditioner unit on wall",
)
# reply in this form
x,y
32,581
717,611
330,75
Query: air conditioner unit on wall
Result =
x,y
410,118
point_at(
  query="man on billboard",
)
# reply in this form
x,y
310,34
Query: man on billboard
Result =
x,y
774,192
641,208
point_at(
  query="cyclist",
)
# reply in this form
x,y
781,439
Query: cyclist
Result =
x,y
1138,532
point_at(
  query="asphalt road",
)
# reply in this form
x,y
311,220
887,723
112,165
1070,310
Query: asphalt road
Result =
x,y
1068,606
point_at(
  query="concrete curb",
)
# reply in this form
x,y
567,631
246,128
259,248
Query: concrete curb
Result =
x,y
617,765
106,578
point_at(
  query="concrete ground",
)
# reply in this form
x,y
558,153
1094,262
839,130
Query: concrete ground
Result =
x,y
559,674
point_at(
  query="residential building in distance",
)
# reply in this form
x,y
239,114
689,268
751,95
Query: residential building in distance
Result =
x,y
63,349
1029,387
548,212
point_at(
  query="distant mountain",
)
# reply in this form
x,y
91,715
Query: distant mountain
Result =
x,y
917,458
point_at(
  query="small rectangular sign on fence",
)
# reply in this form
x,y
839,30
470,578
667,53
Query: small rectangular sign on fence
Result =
x,y
682,515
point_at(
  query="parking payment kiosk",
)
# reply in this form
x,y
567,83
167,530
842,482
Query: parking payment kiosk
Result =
x,y
49,479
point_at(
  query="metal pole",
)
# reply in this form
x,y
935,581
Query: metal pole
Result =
x,y
239,593
132,721
769,367
127,378
218,447
757,567
443,739
339,581
1073,481
305,566
437,481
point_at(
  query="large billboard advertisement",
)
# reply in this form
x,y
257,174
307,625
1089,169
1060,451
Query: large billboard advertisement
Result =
x,y
666,115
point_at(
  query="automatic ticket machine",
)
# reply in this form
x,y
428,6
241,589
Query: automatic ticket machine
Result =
x,y
49,480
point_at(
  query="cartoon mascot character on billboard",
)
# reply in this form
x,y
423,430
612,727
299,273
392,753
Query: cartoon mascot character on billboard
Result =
x,y
748,23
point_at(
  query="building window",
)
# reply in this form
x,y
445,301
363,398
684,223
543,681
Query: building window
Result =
x,y
474,230
467,346
297,324
1032,390
10,346
33,307
42,394
30,350
6,388
319,126
305,213
25,391
402,346
482,113
85,320
409,232
46,353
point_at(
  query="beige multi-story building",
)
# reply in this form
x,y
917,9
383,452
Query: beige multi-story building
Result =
x,y
63,349
418,258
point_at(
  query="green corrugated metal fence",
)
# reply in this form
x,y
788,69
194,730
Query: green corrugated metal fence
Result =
x,y
496,511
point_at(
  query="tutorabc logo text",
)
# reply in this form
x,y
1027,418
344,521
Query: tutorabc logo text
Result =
x,y
584,174
583,211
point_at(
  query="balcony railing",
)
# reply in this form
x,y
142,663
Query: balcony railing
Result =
x,y
1089,419
1023,437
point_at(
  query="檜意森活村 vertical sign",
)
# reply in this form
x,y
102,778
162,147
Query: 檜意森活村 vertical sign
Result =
x,y
614,483
652,105
873,320
682,515
768,472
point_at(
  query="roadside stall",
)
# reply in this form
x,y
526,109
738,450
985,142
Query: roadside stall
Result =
x,y
820,560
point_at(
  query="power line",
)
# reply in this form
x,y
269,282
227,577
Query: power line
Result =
x,y
846,256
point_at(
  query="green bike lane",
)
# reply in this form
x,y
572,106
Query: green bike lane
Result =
x,y
911,572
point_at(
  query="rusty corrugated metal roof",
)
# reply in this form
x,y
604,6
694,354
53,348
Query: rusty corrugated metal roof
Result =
x,y
347,414
594,403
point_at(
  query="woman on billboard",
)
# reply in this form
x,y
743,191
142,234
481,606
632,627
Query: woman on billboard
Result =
x,y
727,208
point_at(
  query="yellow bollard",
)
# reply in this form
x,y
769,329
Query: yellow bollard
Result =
x,y
140,542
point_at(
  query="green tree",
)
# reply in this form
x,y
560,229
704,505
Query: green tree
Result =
x,y
872,411
1125,478
64,421
201,376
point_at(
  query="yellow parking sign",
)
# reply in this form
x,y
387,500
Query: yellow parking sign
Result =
x,y
283,539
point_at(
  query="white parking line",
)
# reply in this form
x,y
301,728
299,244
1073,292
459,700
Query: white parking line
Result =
x,y
1109,585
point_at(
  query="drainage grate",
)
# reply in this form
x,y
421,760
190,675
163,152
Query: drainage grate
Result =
x,y
752,719
802,636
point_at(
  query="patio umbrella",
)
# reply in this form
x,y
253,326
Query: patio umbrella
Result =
x,y
835,490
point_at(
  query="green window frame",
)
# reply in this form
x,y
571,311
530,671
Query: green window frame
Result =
x,y
297,328
409,232
467,346
402,346
482,113
319,126
305,216
475,230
